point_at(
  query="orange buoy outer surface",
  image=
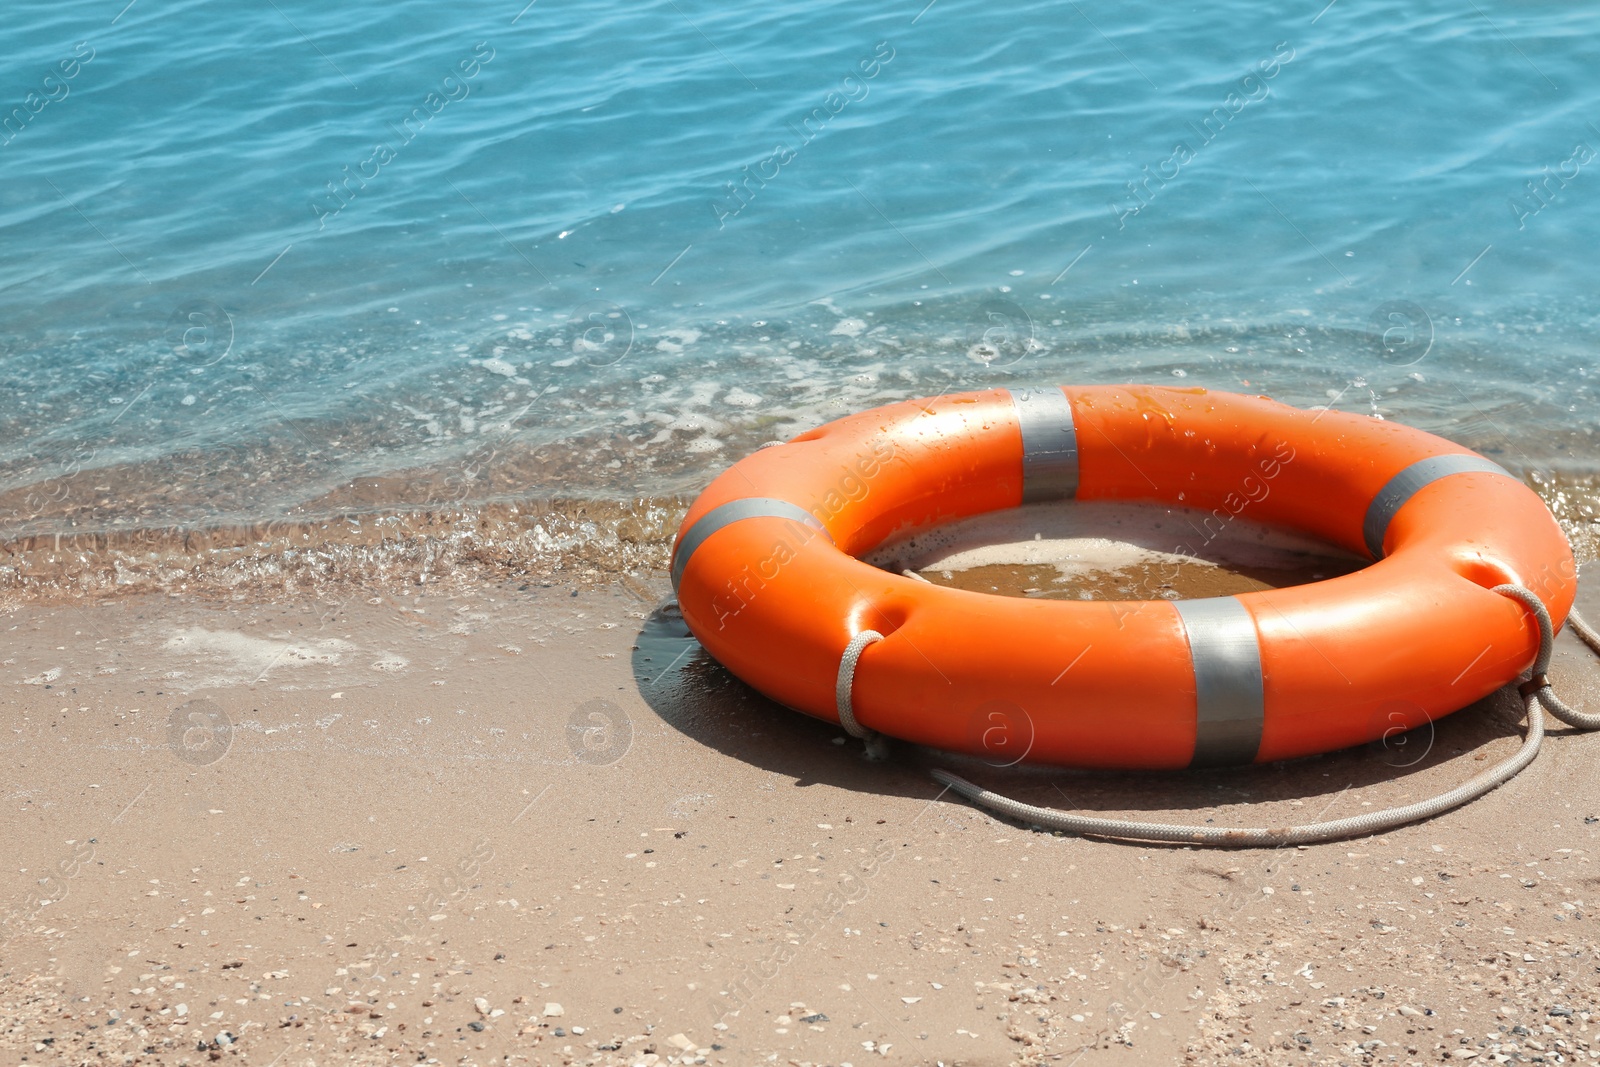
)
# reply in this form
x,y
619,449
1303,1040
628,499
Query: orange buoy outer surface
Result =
x,y
767,578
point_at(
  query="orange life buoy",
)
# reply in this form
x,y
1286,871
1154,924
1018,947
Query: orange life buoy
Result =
x,y
767,577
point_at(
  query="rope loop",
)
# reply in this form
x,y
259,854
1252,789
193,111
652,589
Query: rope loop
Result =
x,y
1547,639
846,681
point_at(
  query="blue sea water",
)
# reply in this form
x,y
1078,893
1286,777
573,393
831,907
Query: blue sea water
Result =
x,y
285,258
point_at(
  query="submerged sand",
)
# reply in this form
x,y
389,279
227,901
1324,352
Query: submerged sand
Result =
x,y
1111,551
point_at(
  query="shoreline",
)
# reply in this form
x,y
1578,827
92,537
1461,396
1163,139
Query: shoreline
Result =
x,y
586,541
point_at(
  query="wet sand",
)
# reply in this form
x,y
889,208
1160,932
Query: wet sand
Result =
x,y
359,539
594,542
1126,583
531,823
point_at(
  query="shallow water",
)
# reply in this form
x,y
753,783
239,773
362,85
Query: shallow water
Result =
x,y
321,260
1102,550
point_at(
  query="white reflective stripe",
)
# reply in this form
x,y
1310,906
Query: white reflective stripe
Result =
x,y
1403,486
733,511
1049,444
1230,693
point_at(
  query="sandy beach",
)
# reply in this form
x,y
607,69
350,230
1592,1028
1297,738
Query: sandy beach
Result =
x,y
532,823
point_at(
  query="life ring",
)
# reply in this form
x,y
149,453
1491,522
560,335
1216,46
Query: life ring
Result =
x,y
767,578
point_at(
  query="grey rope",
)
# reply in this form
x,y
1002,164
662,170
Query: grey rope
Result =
x,y
1539,684
1534,693
1582,628
876,745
